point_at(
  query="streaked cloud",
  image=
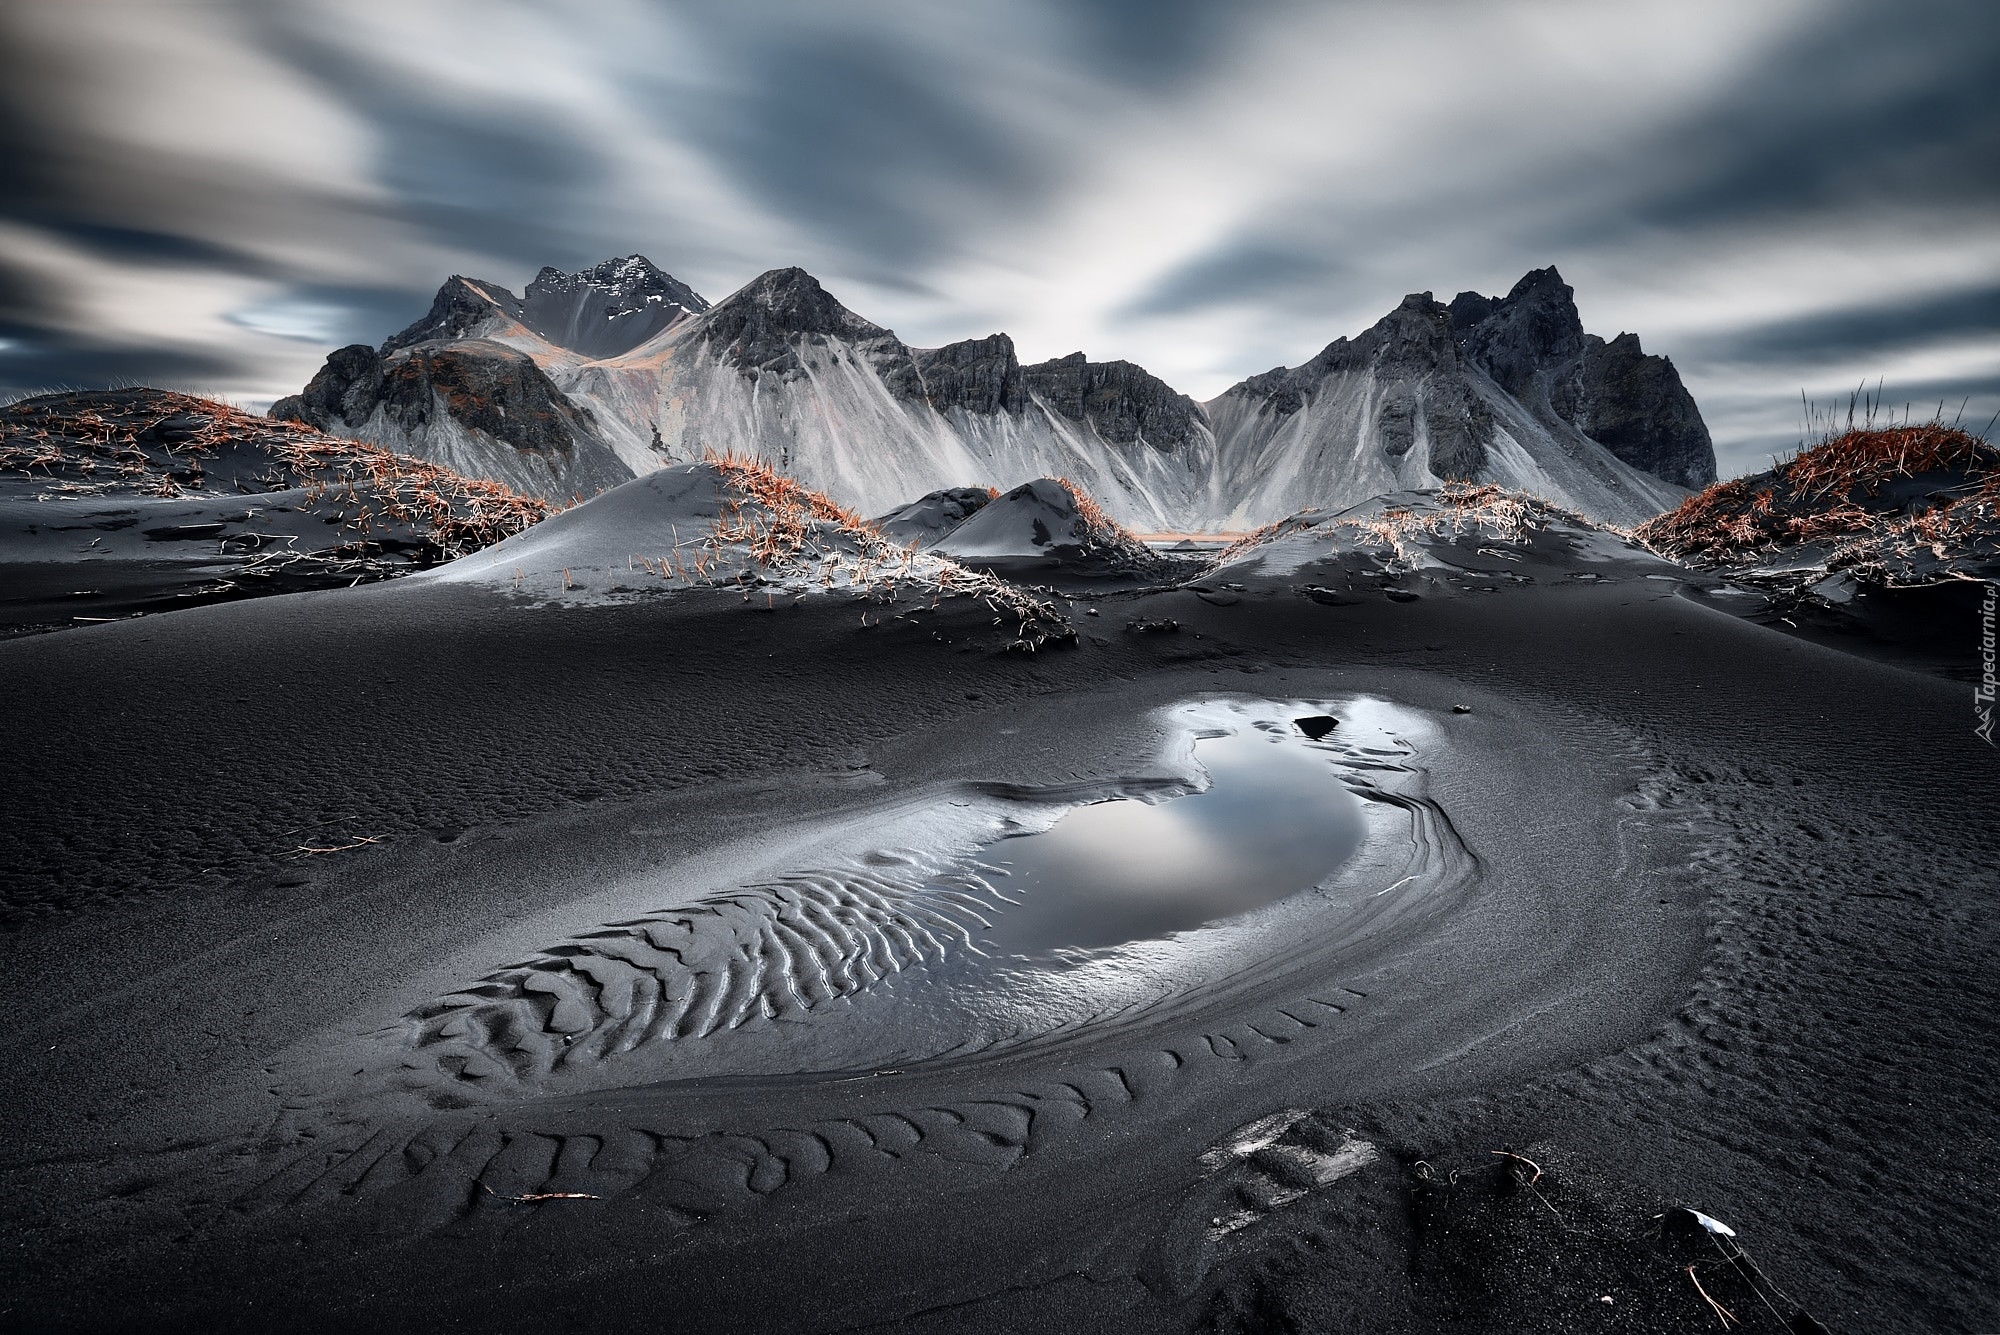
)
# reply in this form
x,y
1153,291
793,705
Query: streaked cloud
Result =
x,y
1781,196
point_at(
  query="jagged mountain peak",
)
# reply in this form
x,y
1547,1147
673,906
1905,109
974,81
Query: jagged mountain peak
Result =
x,y
1533,327
609,308
1532,343
1122,401
1418,331
762,323
460,307
1412,339
602,311
981,375
1544,284
797,301
631,282
1463,391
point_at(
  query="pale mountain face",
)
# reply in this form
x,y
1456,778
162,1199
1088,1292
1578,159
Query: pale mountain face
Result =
x,y
613,371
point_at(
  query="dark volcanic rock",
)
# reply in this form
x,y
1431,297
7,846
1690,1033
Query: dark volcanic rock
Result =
x,y
1636,406
928,518
1469,308
981,375
458,308
1533,328
482,386
1415,338
1532,343
342,394
1122,401
1283,390
1413,349
762,326
609,308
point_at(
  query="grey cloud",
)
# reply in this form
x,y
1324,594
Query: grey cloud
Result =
x,y
1239,272
1844,334
1153,43
51,363
351,314
857,141
897,146
144,245
1886,103
1874,107
475,179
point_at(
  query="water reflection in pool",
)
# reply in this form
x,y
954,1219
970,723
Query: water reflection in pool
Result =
x,y
1276,819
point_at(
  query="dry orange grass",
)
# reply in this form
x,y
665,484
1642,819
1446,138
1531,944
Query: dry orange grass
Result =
x,y
457,514
1864,460
777,517
1107,533
1824,495
1103,528
1491,511
1259,536
790,529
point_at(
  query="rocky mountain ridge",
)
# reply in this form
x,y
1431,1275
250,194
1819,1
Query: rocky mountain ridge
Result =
x,y
591,378
1532,343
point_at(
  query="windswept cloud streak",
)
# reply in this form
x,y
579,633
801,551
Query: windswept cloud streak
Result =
x,y
1784,197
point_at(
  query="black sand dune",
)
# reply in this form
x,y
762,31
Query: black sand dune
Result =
x,y
1881,540
431,956
1049,533
119,503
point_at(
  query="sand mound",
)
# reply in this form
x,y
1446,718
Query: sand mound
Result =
x,y
1481,532
138,499
1048,520
739,525
923,521
1903,507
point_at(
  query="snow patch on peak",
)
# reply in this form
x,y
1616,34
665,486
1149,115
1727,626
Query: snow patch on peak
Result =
x,y
629,284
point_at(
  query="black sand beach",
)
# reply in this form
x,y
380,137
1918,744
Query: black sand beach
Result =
x,y
1713,931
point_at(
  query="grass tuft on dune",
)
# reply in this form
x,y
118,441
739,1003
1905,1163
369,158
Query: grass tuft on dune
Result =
x,y
159,443
1903,505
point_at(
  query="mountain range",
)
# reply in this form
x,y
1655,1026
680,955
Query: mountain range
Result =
x,y
591,378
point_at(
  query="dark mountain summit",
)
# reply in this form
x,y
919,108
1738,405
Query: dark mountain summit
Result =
x,y
1411,350
980,375
761,326
609,308
1123,401
602,311
1532,343
462,305
448,388
1513,338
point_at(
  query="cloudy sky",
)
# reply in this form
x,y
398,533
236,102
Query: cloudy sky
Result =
x,y
1785,196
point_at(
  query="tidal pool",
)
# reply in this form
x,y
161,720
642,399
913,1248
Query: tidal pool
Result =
x,y
1276,819
954,923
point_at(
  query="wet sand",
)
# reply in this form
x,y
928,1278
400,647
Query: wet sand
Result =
x,y
1718,933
